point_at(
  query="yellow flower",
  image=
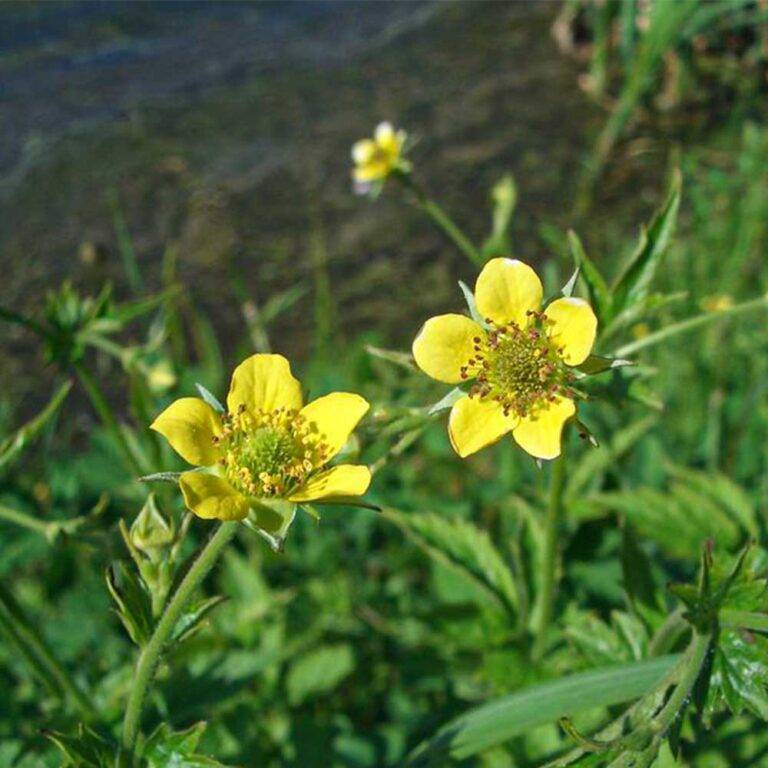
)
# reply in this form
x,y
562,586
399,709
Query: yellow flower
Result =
x,y
376,158
268,446
519,360
717,303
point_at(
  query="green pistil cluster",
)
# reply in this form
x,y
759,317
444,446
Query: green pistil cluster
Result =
x,y
520,368
269,453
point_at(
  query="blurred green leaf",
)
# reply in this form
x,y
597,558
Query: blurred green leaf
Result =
x,y
318,671
461,545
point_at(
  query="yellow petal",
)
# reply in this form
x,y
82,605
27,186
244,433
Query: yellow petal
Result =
x,y
189,425
572,329
540,433
506,290
212,497
363,151
386,137
336,482
335,416
474,424
444,344
372,171
264,382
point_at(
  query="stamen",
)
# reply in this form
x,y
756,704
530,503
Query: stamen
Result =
x,y
270,453
520,368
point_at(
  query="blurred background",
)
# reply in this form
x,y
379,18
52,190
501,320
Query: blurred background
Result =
x,y
203,148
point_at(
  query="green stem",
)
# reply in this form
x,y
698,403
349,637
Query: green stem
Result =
x,y
695,657
152,651
24,520
552,526
107,416
689,325
33,647
668,634
441,219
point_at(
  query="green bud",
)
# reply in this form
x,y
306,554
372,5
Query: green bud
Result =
x,y
151,531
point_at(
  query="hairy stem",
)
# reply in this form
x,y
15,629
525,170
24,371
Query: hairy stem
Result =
x,y
152,651
550,555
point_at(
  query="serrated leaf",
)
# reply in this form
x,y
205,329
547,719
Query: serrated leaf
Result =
x,y
634,280
210,398
319,671
467,549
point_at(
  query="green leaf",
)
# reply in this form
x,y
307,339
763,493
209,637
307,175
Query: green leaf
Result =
x,y
634,280
739,673
514,715
133,601
85,749
14,445
464,547
595,364
193,617
319,671
597,289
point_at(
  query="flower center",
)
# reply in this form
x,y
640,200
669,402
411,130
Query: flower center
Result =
x,y
269,453
520,368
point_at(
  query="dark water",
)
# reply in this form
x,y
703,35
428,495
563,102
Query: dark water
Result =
x,y
224,130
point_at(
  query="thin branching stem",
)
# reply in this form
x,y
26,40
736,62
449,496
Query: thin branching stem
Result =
x,y
441,219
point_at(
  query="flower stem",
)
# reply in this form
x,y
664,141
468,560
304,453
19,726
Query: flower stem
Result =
x,y
690,324
550,555
107,416
441,219
152,651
